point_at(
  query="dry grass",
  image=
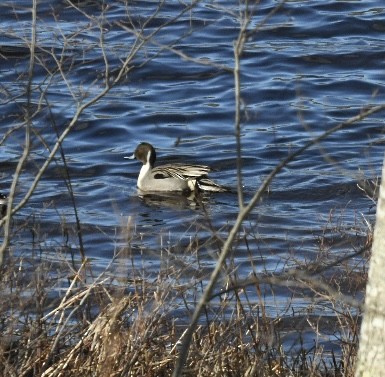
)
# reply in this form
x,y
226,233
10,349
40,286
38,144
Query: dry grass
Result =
x,y
56,321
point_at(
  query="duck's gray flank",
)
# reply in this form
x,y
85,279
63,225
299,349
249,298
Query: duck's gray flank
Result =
x,y
171,177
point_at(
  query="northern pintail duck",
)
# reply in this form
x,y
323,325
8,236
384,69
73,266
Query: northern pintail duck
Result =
x,y
171,177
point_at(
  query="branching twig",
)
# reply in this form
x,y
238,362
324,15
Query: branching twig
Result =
x,y
243,213
80,108
25,154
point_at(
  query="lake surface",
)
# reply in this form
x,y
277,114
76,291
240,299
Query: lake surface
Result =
x,y
310,66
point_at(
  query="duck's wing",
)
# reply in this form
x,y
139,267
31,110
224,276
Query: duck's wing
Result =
x,y
181,171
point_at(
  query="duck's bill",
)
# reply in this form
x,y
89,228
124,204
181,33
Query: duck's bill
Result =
x,y
130,157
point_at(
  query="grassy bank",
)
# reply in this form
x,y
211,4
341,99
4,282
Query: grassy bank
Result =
x,y
61,320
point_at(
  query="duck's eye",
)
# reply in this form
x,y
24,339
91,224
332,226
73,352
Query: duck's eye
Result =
x,y
159,176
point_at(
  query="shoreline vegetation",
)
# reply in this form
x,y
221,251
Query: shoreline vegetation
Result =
x,y
60,317
59,321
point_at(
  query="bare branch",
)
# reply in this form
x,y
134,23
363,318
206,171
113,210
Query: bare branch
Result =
x,y
25,154
243,213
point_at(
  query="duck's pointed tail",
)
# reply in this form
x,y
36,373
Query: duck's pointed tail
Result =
x,y
206,184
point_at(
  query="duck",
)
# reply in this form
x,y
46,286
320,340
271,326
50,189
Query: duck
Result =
x,y
171,177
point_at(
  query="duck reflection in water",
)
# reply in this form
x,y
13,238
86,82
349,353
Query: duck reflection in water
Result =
x,y
173,200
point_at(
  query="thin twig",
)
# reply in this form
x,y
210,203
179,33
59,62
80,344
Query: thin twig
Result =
x,y
25,154
243,213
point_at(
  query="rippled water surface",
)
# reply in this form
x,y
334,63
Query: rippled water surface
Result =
x,y
308,67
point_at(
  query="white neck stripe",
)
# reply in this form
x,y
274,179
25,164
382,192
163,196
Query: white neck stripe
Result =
x,y
148,157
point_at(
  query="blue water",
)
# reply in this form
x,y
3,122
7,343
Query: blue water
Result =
x,y
312,65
